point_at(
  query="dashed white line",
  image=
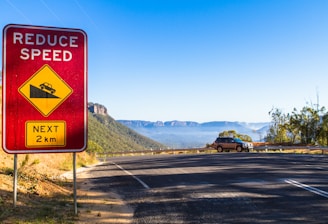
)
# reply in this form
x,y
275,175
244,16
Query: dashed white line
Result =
x,y
136,178
307,187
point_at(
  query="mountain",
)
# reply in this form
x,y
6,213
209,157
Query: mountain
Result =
x,y
107,135
189,134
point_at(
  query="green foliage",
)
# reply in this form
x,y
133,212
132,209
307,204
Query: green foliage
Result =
x,y
36,161
94,147
233,133
323,131
8,171
25,161
277,132
307,126
107,135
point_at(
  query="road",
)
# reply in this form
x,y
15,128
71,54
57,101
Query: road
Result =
x,y
220,188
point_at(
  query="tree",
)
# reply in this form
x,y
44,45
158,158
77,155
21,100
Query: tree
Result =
x,y
309,123
292,127
323,130
233,133
307,126
277,131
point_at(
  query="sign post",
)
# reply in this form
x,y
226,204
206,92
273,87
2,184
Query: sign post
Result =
x,y
44,88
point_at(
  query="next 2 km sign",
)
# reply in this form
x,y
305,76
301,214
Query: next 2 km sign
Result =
x,y
44,89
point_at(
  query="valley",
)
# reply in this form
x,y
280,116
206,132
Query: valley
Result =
x,y
188,134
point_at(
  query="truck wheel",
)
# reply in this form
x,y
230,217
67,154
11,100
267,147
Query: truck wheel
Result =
x,y
239,149
220,149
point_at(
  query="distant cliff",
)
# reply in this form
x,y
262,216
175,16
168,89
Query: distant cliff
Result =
x,y
175,123
96,108
148,124
107,135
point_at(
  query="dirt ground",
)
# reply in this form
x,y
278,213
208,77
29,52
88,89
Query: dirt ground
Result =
x,y
45,194
99,207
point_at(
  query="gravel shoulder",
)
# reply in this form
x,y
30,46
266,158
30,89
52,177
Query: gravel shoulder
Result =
x,y
98,207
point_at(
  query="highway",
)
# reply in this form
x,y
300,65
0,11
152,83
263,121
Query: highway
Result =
x,y
219,188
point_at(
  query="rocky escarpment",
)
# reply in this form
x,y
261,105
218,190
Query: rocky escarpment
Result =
x,y
96,108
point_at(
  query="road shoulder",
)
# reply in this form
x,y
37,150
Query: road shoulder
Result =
x,y
98,207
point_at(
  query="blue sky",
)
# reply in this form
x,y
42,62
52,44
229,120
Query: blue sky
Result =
x,y
194,60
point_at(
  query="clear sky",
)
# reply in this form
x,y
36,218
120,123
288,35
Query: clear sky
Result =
x,y
194,60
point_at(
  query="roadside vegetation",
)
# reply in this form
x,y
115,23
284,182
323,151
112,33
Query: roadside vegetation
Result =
x,y
43,196
305,127
233,133
308,126
105,135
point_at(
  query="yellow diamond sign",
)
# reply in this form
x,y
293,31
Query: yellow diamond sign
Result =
x,y
45,90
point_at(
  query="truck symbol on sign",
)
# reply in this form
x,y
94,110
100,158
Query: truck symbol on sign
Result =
x,y
48,87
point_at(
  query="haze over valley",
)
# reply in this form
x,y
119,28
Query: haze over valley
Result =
x,y
189,134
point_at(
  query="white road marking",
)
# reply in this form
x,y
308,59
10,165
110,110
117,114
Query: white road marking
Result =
x,y
136,178
318,168
307,187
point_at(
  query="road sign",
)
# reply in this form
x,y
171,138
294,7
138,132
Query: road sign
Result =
x,y
44,89
41,133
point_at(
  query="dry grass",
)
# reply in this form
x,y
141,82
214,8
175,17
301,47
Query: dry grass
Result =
x,y
43,195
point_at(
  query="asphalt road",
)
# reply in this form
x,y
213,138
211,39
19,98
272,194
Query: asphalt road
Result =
x,y
220,188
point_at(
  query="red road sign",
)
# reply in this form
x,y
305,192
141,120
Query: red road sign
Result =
x,y
44,89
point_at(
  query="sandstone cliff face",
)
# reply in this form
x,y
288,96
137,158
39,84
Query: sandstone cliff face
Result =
x,y
96,108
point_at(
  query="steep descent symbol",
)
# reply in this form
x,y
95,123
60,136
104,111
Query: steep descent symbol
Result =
x,y
45,90
47,87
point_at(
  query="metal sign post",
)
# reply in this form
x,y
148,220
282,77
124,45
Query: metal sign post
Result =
x,y
74,180
15,180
